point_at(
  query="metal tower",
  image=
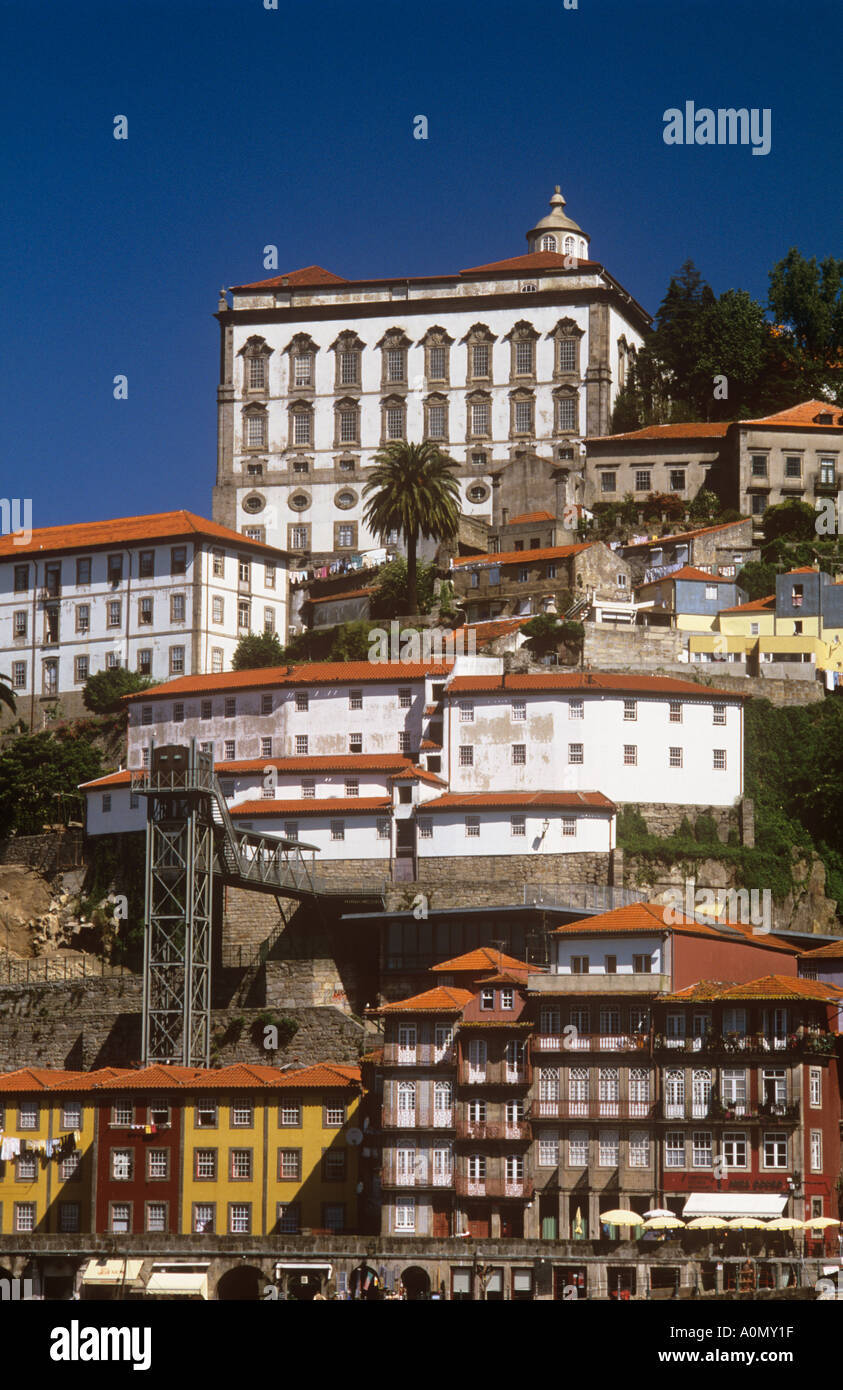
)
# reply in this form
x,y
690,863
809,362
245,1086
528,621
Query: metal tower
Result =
x,y
180,788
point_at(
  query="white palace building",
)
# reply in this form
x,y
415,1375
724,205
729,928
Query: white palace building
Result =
x,y
317,372
427,762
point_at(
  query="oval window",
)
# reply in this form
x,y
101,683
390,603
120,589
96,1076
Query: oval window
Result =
x,y
300,500
255,503
477,494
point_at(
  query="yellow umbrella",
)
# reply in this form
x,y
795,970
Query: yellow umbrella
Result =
x,y
664,1223
746,1223
785,1223
621,1217
707,1223
819,1223
579,1229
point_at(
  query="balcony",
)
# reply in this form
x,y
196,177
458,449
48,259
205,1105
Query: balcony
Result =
x,y
420,1178
735,1043
592,1109
420,1118
736,1112
604,985
423,1054
469,1129
493,1074
826,484
572,1041
493,1187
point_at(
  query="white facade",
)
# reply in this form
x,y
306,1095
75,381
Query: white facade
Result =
x,y
644,744
164,596
624,951
318,372
514,829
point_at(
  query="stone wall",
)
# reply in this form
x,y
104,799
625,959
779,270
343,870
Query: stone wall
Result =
x,y
666,820
632,648
510,872
97,1023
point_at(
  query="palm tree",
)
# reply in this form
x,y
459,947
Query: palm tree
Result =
x,y
413,490
6,696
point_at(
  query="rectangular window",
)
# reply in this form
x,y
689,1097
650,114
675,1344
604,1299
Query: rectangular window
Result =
x,y
19,675
205,1164
157,1163
608,1145
578,1148
580,965
630,754
289,1165
816,1151
24,1217
177,608
217,660
83,619
677,479
352,786
177,661
719,760
734,1149
156,1216
113,612
608,482
242,1114
639,1149
301,745
467,755
519,710
472,827
301,427
519,754
759,465
404,742
240,1218
674,1149
575,753
178,560
122,1165
642,480
630,709
719,714
337,829
28,1114
567,355
240,1164
518,825
523,417
674,757
569,825
80,669
466,708
675,712
480,359
204,1218
815,1079
355,743
229,749
775,1150
480,418
289,1115
395,422
436,422
702,1152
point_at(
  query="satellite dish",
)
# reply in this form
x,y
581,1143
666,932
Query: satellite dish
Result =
x,y
354,1137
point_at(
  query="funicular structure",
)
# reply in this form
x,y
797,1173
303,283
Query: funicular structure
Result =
x,y
190,838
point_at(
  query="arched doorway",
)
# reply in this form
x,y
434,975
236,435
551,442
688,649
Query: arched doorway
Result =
x,y
363,1282
244,1283
416,1283
304,1285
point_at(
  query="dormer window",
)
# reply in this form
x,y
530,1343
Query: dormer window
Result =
x,y
487,998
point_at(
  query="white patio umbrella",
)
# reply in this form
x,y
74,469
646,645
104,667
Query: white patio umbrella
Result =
x,y
658,1211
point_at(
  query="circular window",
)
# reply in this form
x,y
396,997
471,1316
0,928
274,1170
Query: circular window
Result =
x,y
299,501
478,493
346,499
254,502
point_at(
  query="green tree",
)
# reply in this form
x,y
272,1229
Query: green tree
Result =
x,y
757,579
412,488
103,692
257,649
807,301
392,599
37,771
704,507
791,520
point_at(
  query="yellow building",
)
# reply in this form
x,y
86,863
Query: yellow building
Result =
x,y
756,634
267,1151
46,1151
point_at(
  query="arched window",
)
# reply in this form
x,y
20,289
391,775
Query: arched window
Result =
x,y
549,243
675,1093
569,246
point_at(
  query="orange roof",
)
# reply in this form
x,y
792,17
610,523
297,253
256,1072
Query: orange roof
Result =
x,y
784,987
650,917
755,605
444,999
314,806
512,557
541,800
683,535
834,949
688,572
419,774
351,762
492,628
590,681
695,429
171,1078
127,530
482,959
344,594
701,990
533,260
526,517
310,673
803,415
309,275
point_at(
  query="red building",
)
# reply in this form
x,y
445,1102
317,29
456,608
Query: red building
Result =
x,y
137,1173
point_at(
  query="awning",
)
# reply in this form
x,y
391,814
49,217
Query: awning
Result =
x,y
731,1204
173,1284
303,1268
112,1271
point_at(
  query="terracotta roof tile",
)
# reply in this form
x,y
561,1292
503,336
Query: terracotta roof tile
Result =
x,y
532,260
350,762
683,535
689,572
314,806
483,958
312,673
695,429
157,1078
784,987
128,530
833,949
516,557
591,681
308,275
803,416
526,518
345,594
650,917
755,605
443,999
540,800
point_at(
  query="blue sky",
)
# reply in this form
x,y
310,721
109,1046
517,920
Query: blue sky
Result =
x,y
294,127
